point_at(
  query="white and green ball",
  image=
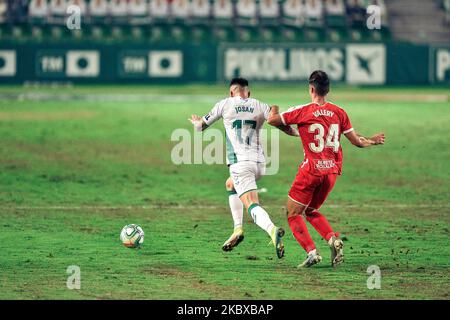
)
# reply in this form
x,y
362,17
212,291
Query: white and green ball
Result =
x,y
132,236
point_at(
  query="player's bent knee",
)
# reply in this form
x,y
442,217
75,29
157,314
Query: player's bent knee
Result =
x,y
293,215
294,212
249,198
229,184
293,209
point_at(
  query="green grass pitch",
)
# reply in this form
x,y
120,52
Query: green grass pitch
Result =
x,y
77,164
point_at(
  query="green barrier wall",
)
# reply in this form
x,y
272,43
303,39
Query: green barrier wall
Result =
x,y
107,63
352,63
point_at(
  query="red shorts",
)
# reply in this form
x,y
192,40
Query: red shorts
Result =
x,y
310,190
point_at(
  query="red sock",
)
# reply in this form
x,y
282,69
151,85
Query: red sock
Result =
x,y
321,224
301,234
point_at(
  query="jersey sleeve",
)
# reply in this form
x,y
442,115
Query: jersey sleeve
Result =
x,y
215,113
346,125
266,110
291,116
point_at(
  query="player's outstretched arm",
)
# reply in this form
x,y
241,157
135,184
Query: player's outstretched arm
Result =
x,y
360,141
198,122
276,121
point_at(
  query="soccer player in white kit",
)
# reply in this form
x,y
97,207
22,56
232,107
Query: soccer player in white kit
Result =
x,y
243,118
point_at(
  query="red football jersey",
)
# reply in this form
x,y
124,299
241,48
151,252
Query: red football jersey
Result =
x,y
320,129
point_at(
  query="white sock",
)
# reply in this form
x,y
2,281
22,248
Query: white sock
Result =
x,y
261,218
237,208
312,252
330,242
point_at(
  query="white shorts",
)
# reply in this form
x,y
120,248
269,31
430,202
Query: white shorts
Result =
x,y
245,174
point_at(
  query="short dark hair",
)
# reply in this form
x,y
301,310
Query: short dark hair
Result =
x,y
320,81
239,81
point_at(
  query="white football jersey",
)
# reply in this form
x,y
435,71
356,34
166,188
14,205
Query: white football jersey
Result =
x,y
243,119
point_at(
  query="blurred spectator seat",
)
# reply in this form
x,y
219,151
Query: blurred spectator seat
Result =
x,y
335,7
98,11
293,13
38,11
181,21
180,10
118,10
200,11
269,11
223,20
246,12
314,30
3,10
97,32
293,20
382,5
269,14
17,12
246,20
223,11
138,11
159,10
58,11
314,13
138,15
335,13
356,12
80,34
81,4
446,5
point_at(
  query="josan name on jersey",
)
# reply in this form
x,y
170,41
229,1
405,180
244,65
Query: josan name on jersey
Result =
x,y
242,119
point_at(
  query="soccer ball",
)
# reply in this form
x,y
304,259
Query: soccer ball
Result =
x,y
132,236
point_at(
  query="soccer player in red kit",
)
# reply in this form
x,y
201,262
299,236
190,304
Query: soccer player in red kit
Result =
x,y
320,124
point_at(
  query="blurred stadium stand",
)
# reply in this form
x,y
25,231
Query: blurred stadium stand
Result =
x,y
192,21
159,41
420,21
203,21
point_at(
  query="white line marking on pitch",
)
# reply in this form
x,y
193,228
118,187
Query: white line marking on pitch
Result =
x,y
180,207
